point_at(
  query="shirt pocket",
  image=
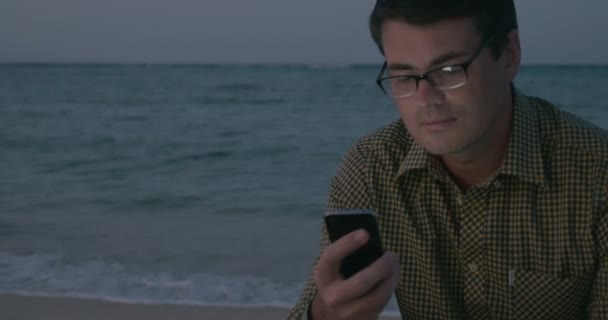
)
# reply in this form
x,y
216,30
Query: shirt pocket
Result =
x,y
541,296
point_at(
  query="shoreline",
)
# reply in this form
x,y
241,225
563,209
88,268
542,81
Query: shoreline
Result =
x,y
26,307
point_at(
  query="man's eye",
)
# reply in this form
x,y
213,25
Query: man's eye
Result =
x,y
403,79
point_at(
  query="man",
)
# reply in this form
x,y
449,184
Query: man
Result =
x,y
491,204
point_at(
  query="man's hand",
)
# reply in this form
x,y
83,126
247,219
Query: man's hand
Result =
x,y
360,297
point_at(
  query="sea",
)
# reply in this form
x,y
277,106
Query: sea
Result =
x,y
191,184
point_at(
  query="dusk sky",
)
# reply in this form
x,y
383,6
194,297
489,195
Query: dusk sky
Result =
x,y
261,31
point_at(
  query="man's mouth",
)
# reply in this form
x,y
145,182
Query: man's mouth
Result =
x,y
439,123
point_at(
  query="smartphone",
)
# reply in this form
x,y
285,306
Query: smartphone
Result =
x,y
342,222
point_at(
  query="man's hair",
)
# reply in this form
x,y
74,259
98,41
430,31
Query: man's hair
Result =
x,y
494,18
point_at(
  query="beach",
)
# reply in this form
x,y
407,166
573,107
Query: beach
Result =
x,y
34,308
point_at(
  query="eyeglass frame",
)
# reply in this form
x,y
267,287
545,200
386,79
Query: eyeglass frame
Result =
x,y
465,66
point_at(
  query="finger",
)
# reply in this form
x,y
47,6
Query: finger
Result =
x,y
365,280
328,267
376,300
385,289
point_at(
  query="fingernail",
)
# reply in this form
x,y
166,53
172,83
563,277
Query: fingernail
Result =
x,y
361,235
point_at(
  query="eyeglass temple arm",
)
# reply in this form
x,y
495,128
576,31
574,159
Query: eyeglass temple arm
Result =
x,y
380,76
381,71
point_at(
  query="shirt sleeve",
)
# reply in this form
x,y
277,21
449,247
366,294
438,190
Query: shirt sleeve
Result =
x,y
598,305
348,190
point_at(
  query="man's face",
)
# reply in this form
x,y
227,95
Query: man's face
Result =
x,y
456,121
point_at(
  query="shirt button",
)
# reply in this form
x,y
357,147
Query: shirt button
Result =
x,y
497,184
473,267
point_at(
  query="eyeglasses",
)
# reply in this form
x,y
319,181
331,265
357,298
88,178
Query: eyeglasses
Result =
x,y
442,78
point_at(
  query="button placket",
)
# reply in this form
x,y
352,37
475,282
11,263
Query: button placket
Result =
x,y
472,250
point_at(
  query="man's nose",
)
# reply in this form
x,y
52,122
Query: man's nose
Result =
x,y
427,95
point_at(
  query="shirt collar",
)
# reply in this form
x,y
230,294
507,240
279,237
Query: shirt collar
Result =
x,y
418,158
523,158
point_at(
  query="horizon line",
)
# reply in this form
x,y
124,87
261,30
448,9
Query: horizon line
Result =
x,y
308,64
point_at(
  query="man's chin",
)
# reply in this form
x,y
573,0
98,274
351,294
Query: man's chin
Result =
x,y
442,150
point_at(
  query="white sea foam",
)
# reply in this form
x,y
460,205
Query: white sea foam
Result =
x,y
49,275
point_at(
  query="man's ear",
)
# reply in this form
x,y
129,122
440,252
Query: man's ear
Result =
x,y
511,55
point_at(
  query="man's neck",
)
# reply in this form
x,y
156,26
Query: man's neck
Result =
x,y
468,174
482,160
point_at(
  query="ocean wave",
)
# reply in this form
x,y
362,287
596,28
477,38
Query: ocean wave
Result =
x,y
52,275
238,88
7,229
231,101
213,155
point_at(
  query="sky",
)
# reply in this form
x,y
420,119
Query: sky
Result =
x,y
259,31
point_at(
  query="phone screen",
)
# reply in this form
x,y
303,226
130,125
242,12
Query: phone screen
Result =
x,y
342,222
